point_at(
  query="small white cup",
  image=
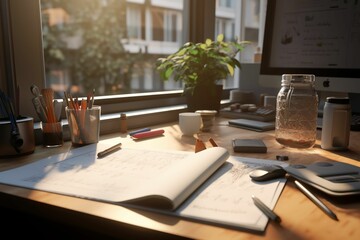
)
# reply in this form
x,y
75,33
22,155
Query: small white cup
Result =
x,y
190,123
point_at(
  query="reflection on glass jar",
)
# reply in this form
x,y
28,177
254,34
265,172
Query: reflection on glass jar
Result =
x,y
296,111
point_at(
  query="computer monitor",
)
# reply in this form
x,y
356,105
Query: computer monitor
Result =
x,y
319,37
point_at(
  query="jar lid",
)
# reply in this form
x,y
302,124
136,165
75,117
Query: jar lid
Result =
x,y
298,79
338,100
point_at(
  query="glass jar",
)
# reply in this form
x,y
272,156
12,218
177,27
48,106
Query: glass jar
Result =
x,y
296,111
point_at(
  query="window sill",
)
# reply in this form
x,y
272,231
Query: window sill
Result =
x,y
110,122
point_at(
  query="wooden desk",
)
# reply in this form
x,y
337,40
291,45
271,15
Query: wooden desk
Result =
x,y
301,219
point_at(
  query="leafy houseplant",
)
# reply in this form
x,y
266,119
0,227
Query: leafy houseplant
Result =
x,y
200,66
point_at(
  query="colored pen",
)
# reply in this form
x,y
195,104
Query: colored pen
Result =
x,y
148,134
315,200
139,131
265,209
109,150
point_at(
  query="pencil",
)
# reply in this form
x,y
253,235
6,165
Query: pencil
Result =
x,y
265,209
110,150
315,200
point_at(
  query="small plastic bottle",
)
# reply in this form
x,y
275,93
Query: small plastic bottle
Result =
x,y
335,131
123,123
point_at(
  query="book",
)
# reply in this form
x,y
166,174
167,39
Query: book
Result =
x,y
209,186
252,124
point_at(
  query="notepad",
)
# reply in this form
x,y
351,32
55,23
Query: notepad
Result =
x,y
210,186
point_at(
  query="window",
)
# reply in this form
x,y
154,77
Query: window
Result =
x,y
135,18
82,52
103,45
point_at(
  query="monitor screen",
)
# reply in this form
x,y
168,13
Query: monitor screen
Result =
x,y
319,37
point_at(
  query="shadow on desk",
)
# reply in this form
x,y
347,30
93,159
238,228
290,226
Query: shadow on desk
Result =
x,y
349,153
30,225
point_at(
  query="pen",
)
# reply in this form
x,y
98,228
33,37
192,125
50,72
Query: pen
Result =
x,y
266,210
139,131
315,200
148,134
109,150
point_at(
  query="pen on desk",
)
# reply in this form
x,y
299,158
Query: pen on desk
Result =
x,y
109,150
315,200
266,210
139,131
148,134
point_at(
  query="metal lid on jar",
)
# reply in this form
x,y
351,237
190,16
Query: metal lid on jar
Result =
x,y
338,100
298,78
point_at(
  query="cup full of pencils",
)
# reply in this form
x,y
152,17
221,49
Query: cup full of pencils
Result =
x,y
83,119
47,109
52,134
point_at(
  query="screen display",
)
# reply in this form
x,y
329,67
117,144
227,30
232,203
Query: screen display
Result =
x,y
314,37
316,34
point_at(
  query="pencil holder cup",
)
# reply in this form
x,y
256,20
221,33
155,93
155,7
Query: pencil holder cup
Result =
x,y
84,125
26,134
52,134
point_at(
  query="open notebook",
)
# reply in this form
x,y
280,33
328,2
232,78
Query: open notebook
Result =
x,y
209,186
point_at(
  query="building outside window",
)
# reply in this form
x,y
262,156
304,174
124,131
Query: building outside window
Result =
x,y
112,45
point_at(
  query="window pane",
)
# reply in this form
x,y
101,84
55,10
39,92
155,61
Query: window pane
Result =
x,y
109,45
248,27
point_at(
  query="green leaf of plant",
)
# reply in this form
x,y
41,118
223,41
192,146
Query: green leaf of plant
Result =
x,y
220,37
194,51
231,69
181,52
168,73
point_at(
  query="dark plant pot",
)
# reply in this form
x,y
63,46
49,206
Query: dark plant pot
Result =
x,y
204,98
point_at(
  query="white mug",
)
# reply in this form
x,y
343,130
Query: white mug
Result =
x,y
190,123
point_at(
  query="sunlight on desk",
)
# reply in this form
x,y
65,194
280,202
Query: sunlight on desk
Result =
x,y
306,220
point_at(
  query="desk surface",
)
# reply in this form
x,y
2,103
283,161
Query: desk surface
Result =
x,y
301,219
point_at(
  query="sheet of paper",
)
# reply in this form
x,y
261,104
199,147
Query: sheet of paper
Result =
x,y
226,196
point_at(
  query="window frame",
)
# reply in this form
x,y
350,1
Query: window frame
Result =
x,y
26,61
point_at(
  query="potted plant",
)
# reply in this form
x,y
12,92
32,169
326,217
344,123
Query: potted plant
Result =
x,y
200,67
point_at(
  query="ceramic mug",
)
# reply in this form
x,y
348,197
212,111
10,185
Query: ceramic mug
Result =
x,y
190,123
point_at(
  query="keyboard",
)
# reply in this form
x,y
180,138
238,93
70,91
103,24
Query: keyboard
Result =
x,y
355,122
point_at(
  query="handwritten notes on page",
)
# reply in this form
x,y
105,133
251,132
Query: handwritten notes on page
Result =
x,y
117,177
226,197
152,178
211,185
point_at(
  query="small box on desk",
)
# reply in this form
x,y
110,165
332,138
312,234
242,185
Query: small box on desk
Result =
x,y
249,145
